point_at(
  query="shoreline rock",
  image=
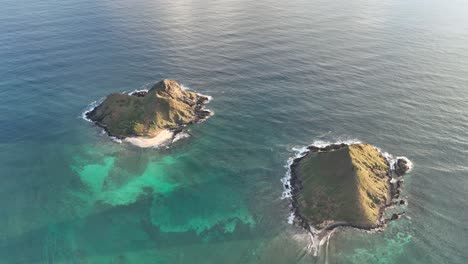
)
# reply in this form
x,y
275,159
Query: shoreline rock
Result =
x,y
402,166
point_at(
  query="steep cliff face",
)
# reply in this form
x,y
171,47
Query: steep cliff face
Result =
x,y
165,106
344,183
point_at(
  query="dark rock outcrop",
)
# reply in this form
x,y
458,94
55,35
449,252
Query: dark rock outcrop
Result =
x,y
401,166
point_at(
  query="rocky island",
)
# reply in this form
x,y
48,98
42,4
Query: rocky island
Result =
x,y
345,185
149,118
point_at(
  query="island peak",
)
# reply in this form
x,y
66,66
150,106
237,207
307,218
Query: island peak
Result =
x,y
168,87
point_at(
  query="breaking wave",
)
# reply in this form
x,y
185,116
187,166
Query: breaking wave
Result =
x,y
179,136
286,180
393,160
90,108
186,88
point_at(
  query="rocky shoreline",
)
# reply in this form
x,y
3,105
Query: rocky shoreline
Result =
x,y
394,176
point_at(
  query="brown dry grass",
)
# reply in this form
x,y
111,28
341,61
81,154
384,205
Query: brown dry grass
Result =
x,y
348,185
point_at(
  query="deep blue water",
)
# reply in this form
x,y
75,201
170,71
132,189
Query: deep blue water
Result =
x,y
283,74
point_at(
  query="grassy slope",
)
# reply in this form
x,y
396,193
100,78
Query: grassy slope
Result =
x,y
344,185
373,186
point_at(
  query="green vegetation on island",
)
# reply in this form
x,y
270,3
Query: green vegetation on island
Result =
x,y
145,114
341,185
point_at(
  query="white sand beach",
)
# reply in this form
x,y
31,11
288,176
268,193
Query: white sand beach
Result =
x,y
142,142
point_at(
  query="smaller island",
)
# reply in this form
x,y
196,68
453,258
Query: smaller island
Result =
x,y
150,118
345,185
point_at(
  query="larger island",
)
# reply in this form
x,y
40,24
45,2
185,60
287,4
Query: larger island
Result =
x,y
345,185
149,118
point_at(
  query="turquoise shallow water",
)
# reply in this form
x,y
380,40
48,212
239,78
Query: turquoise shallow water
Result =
x,y
282,75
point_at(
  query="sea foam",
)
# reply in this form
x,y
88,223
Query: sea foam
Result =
x,y
393,160
90,108
186,88
286,180
179,136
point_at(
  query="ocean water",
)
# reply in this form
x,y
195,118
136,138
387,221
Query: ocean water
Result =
x,y
283,74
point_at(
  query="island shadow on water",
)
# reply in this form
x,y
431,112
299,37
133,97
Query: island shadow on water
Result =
x,y
149,118
343,185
